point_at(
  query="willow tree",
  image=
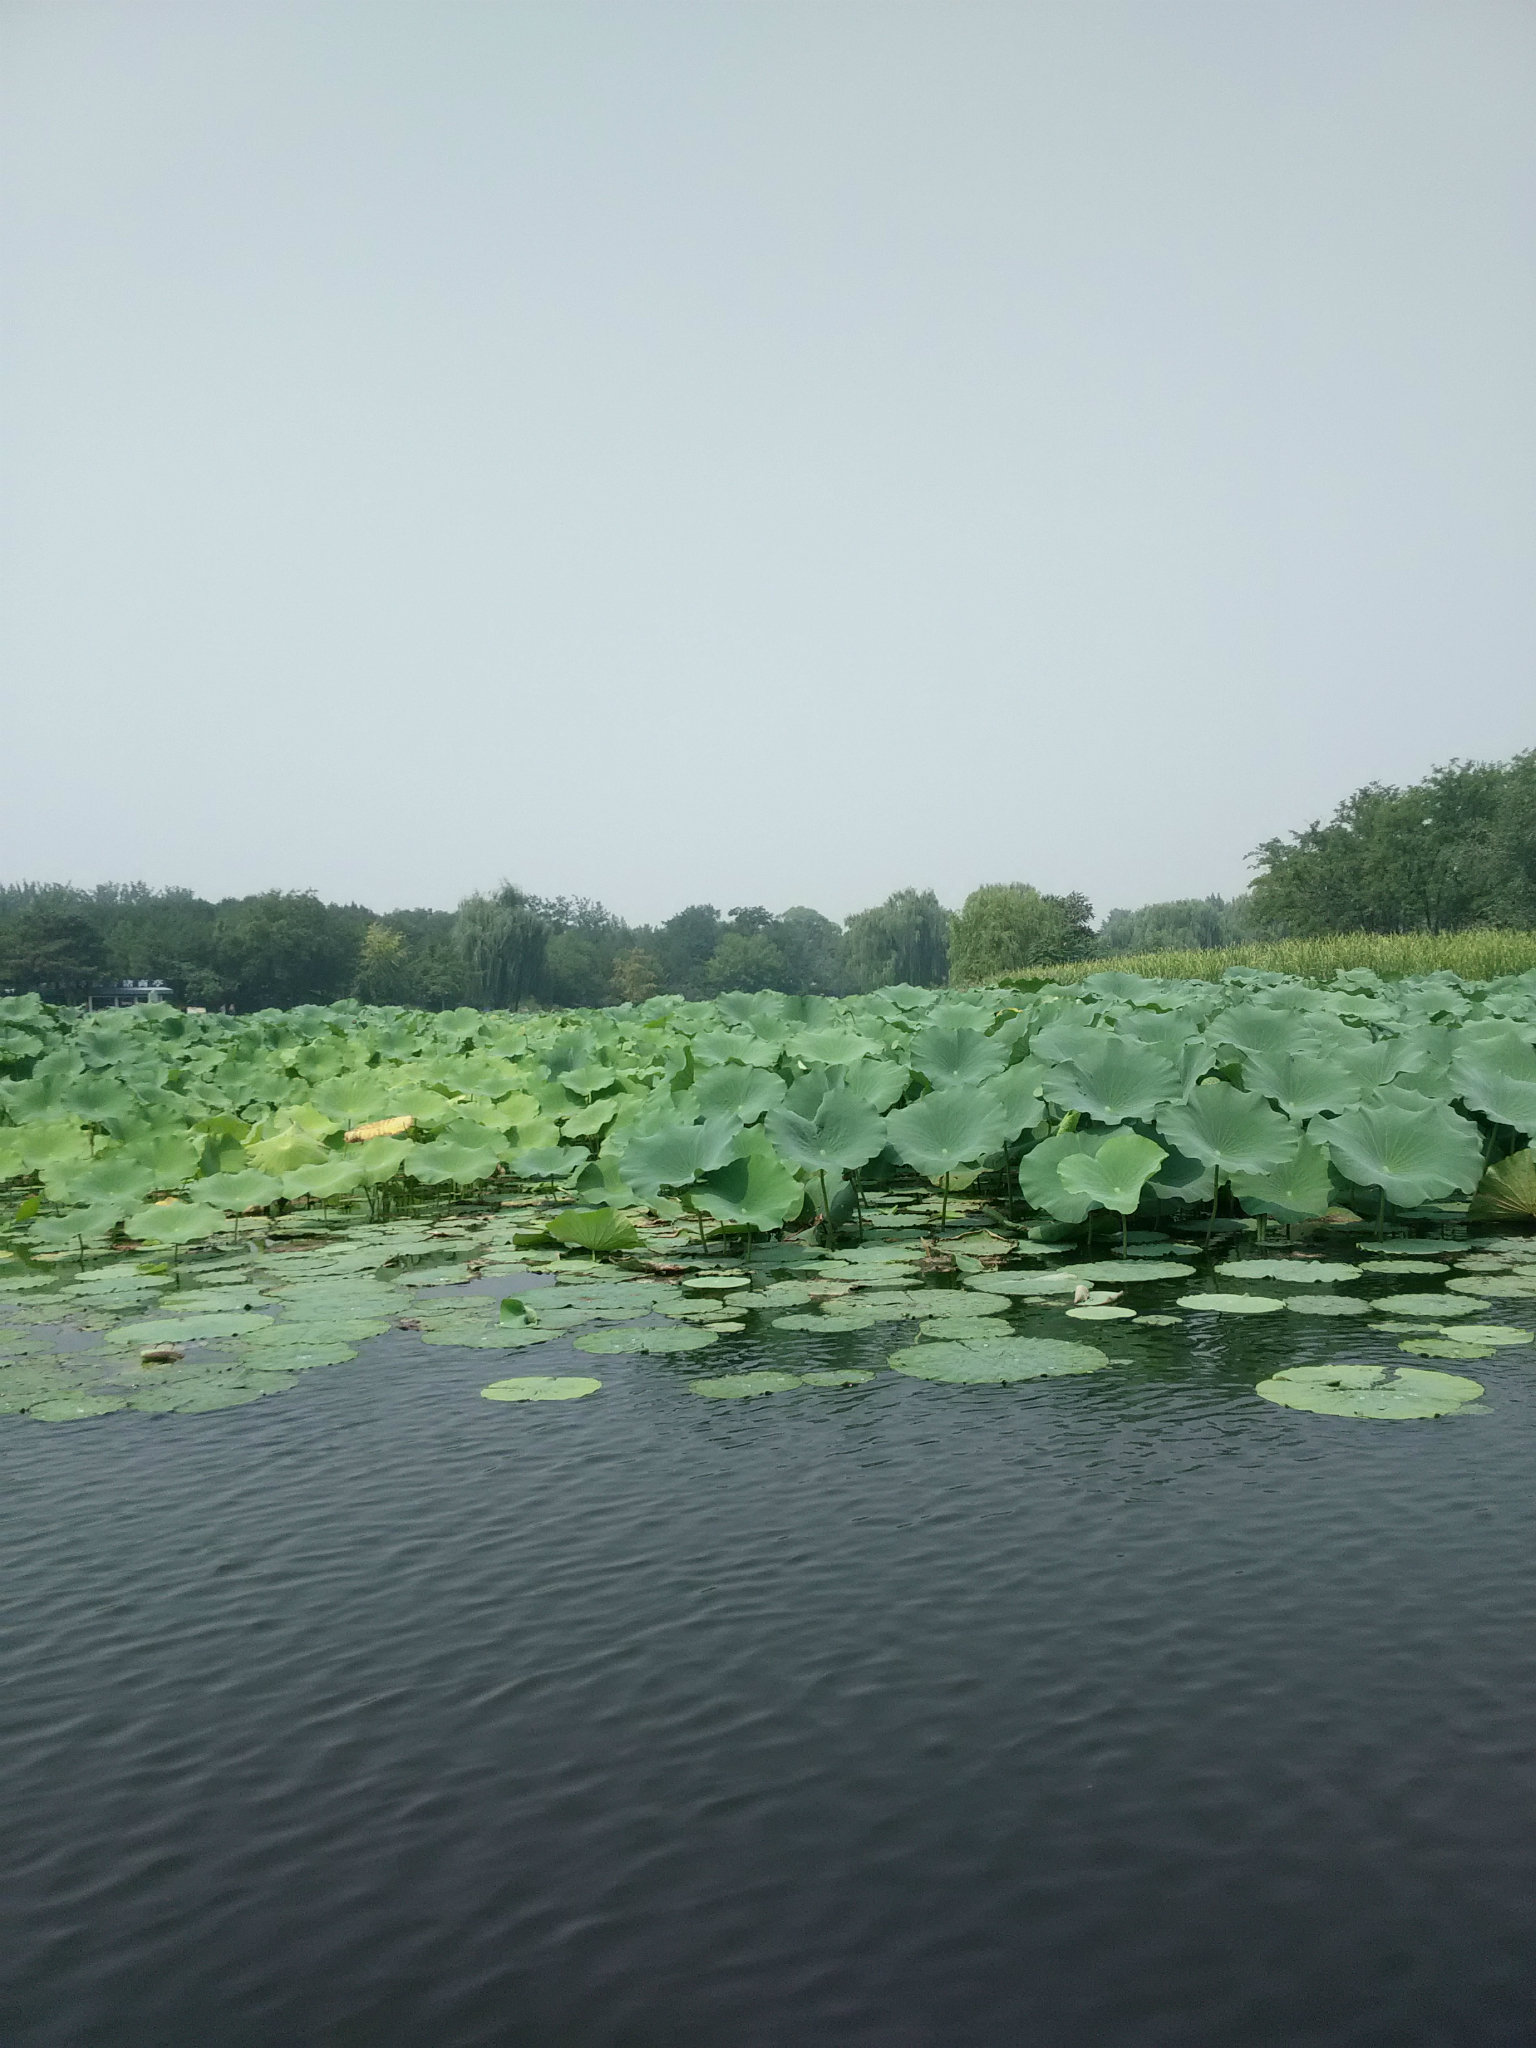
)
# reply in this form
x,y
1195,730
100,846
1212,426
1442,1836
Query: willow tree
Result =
x,y
502,941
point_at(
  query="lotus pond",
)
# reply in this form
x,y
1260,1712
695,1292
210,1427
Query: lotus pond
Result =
x,y
870,1522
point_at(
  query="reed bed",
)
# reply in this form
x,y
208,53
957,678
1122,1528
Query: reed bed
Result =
x,y
1481,955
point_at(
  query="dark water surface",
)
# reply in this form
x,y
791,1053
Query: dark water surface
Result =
x,y
1129,1710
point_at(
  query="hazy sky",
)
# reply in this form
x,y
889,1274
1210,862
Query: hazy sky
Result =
x,y
755,451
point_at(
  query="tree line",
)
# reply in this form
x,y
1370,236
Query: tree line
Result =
x,y
1455,850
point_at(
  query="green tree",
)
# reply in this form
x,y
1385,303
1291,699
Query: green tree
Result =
x,y
1003,926
54,952
815,952
744,960
903,939
286,947
636,976
502,940
383,966
1186,923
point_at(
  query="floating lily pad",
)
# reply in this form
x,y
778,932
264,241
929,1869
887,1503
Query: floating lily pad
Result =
x,y
1410,1247
1446,1347
1308,1272
1023,1284
1370,1392
1101,1312
1326,1305
1514,1287
716,1283
1233,1304
76,1407
303,1357
1121,1272
187,1330
1160,1322
1411,1266
960,1329
997,1361
609,1343
1492,1333
570,1387
740,1386
1437,1308
851,1378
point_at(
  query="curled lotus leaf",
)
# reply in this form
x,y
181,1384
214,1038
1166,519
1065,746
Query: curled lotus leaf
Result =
x,y
996,1361
1370,1392
595,1230
1040,1180
1114,1176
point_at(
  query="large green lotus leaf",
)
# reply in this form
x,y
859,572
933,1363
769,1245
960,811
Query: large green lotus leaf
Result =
x,y
1496,1287
1413,1156
380,1159
676,1154
90,1224
945,1131
940,1304
356,1098
233,1192
609,1343
1370,1392
1259,1028
1233,1304
1499,1078
50,1144
1226,1128
328,1183
877,1082
571,1387
286,1152
1315,1272
1040,1178
832,1047
741,1386
173,1223
1018,1093
1302,1083
996,1361
1120,1079
956,1058
1114,1176
595,1230
1374,1063
1293,1192
755,1189
1118,1272
545,1162
1436,1307
745,1093
447,1159
842,1135
594,1117
117,1178
1508,1189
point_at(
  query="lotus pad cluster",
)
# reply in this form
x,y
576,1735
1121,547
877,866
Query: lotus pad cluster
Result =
x,y
197,1211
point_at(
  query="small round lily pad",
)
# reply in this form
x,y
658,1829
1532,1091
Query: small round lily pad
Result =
x,y
1233,1304
961,1329
852,1378
1445,1347
1370,1392
608,1343
1508,1287
77,1407
572,1387
716,1283
1101,1312
739,1386
1160,1322
1492,1333
1312,1272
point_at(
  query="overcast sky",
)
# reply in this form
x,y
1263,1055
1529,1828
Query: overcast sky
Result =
x,y
752,451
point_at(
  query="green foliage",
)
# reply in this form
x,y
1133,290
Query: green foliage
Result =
x,y
1004,926
903,941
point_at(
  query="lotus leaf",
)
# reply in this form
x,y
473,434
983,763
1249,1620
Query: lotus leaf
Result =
x,y
1040,1180
1121,1272
1492,1333
755,1190
284,1153
1022,1284
745,1093
1230,1131
569,1388
832,1378
1101,1312
1496,1287
844,1134
676,1154
1326,1305
1315,1272
946,1131
959,1057
609,1343
76,1407
1117,1080
740,1386
997,1361
1455,1346
1233,1304
1412,1155
595,1230
175,1223
1507,1189
1369,1392
1293,1192
1436,1307
1302,1083
1114,1176
957,1328
232,1192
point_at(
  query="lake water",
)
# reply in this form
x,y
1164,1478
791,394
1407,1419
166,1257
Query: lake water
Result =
x,y
1125,1711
